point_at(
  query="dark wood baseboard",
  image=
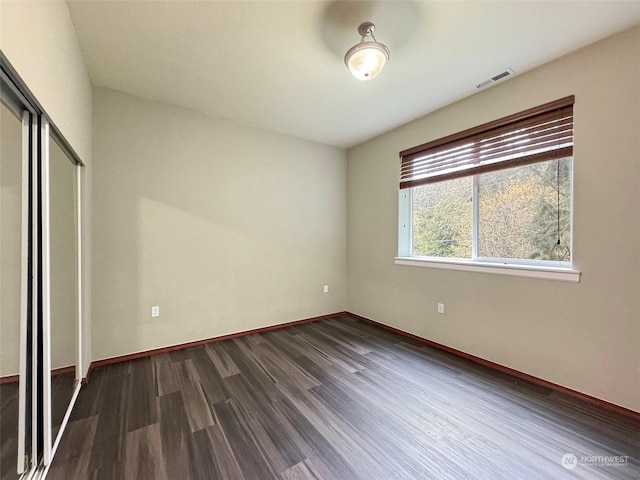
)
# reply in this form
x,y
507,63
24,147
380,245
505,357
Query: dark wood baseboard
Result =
x,y
54,372
180,346
510,371
63,370
9,379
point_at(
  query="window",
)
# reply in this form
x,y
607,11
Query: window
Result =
x,y
496,196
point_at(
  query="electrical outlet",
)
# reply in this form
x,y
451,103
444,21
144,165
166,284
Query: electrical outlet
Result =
x,y
155,311
326,289
441,308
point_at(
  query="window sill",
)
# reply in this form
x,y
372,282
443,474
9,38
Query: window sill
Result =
x,y
531,271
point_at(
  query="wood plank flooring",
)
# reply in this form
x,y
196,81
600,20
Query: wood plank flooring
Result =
x,y
332,399
62,387
8,430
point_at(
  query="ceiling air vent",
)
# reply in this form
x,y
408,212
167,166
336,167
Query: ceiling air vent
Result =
x,y
496,78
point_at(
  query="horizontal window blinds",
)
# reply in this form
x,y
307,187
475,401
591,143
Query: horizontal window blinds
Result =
x,y
535,135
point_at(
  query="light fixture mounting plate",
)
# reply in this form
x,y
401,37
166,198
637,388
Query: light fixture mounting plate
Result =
x,y
366,28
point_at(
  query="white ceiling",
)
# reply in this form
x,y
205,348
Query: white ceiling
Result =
x,y
279,64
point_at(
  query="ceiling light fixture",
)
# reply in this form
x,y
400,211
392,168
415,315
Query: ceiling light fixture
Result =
x,y
366,59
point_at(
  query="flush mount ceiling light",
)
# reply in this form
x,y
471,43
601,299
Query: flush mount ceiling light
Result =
x,y
366,59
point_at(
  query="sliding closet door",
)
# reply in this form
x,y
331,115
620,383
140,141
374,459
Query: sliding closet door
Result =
x,y
40,271
16,379
62,216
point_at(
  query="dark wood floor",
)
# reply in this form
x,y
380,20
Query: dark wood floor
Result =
x,y
8,430
333,399
62,387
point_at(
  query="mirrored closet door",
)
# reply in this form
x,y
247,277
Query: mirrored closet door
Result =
x,y
40,287
63,275
17,139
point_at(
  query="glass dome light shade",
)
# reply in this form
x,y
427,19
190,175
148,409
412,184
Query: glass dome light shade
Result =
x,y
366,59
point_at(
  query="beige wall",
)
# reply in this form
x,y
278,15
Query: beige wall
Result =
x,y
225,227
584,336
39,39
